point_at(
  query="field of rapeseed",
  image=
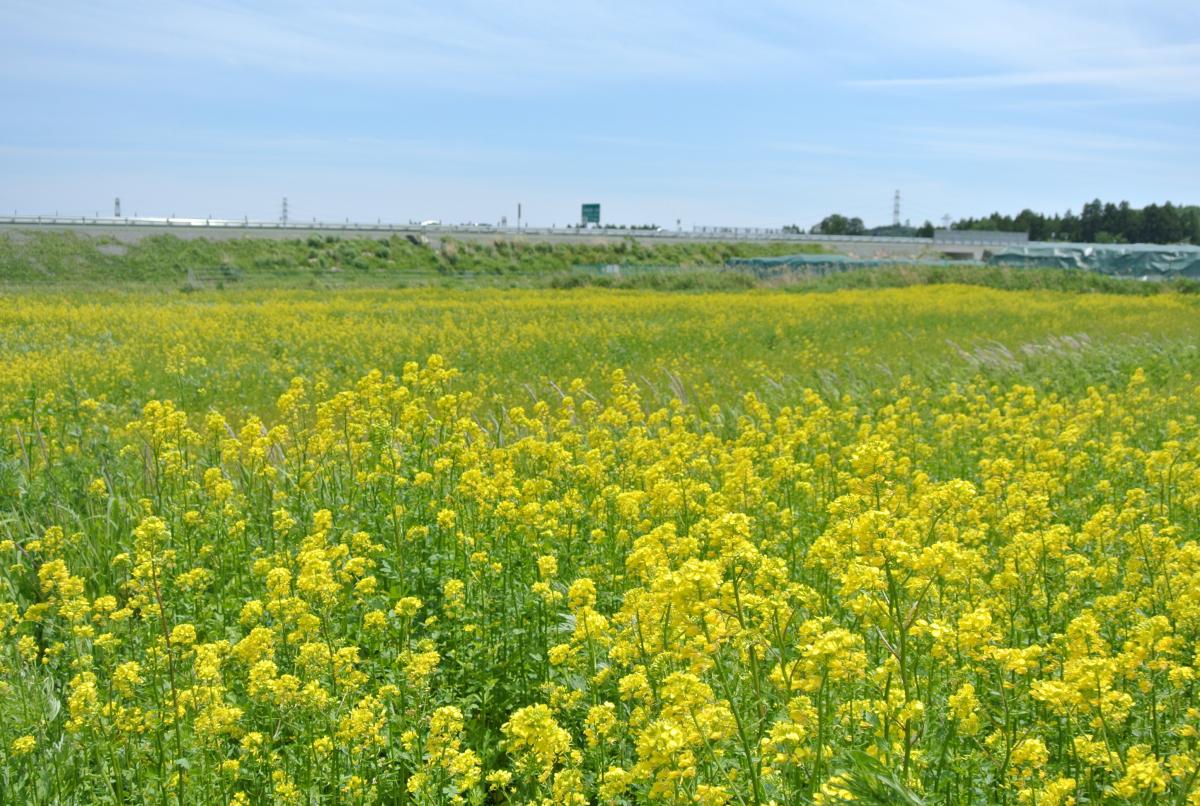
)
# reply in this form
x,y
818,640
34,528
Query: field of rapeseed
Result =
x,y
930,545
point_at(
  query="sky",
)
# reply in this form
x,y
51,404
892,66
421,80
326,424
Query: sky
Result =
x,y
760,113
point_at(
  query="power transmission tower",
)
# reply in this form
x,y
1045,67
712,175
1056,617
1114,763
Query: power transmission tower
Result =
x,y
283,214
896,209
946,221
117,207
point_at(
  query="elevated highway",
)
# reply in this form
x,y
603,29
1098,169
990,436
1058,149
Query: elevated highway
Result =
x,y
130,230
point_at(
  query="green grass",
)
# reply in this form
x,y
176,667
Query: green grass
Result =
x,y
65,260
69,259
1001,277
998,277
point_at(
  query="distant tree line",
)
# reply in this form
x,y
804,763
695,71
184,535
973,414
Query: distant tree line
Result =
x,y
1100,222
836,224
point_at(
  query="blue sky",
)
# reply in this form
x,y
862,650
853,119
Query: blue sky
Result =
x,y
757,113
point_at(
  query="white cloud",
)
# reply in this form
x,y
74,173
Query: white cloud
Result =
x,y
1025,144
487,46
757,112
1124,47
1131,77
502,49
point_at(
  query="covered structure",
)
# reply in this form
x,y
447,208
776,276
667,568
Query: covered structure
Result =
x,y
810,264
1119,260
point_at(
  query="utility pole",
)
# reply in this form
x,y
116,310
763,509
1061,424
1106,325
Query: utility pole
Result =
x,y
896,210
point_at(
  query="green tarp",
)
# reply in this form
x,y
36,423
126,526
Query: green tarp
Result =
x,y
766,267
1118,260
1123,260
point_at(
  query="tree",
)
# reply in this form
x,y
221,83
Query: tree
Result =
x,y
1192,224
1162,224
1091,220
838,224
1101,223
1069,227
1128,223
1031,222
1098,222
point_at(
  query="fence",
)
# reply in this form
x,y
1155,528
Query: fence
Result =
x,y
706,233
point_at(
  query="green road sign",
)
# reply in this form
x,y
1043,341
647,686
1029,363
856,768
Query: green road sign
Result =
x,y
590,214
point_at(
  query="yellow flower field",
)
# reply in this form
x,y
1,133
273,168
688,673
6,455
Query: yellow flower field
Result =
x,y
929,545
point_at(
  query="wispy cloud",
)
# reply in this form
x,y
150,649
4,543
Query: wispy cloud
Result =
x,y
814,149
1132,47
1024,144
1150,81
298,149
1130,77
774,110
465,45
